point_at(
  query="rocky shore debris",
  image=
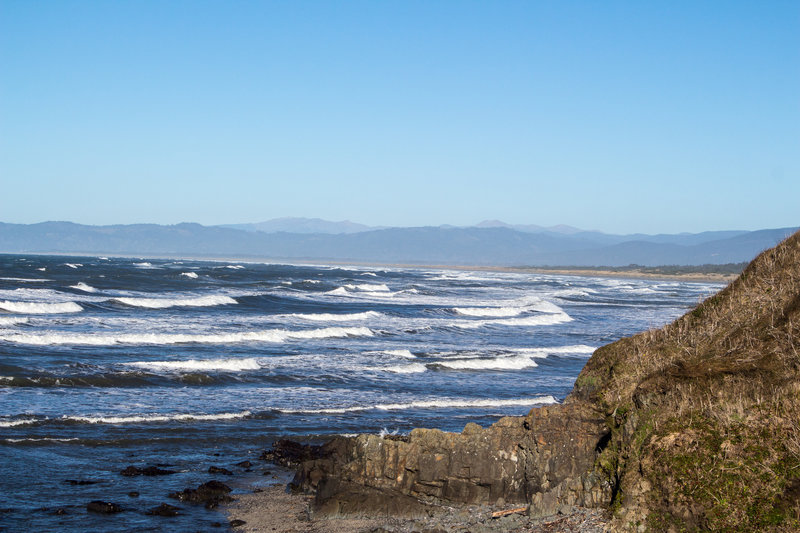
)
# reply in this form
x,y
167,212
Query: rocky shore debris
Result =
x,y
211,494
219,470
147,471
99,506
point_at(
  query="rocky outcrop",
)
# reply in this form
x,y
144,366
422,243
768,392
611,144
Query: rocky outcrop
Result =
x,y
545,459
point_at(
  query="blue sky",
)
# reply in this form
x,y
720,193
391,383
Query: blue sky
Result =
x,y
618,116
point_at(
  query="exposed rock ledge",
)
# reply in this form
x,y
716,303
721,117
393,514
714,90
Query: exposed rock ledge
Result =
x,y
544,460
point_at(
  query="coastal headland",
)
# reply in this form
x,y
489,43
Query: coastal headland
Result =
x,y
693,426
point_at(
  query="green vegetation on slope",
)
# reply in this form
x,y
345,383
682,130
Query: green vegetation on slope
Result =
x,y
705,412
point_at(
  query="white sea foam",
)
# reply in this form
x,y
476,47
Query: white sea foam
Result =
x,y
413,368
38,308
81,286
153,418
398,353
431,404
27,280
369,287
12,321
19,422
534,320
331,317
580,349
43,269
42,439
235,267
192,275
143,265
230,365
490,311
517,362
73,265
369,274
272,335
163,303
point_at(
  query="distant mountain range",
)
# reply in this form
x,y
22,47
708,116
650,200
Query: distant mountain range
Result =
x,y
488,243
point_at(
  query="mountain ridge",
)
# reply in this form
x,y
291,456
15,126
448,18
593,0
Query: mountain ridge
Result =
x,y
495,246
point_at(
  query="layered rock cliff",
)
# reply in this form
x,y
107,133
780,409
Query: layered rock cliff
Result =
x,y
692,426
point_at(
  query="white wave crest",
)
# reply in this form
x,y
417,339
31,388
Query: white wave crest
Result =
x,y
399,353
21,422
517,362
231,365
38,308
490,311
235,267
12,321
73,265
163,303
143,265
27,280
191,275
81,286
153,418
273,335
331,317
413,368
432,404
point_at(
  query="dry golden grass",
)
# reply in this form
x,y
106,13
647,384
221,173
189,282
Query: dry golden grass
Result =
x,y
706,411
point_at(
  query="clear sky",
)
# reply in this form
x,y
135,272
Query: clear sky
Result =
x,y
619,116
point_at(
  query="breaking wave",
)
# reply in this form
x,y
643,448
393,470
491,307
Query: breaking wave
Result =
x,y
270,335
81,286
332,317
38,308
153,418
163,303
517,362
230,365
431,404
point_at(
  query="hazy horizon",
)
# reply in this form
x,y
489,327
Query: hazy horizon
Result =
x,y
621,117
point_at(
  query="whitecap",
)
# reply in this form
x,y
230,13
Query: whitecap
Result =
x,y
12,321
153,418
235,267
273,335
517,362
143,265
230,365
27,280
18,422
413,368
163,303
431,404
73,265
397,353
81,286
331,317
38,308
192,275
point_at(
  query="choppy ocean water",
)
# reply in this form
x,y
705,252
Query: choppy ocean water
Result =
x,y
109,362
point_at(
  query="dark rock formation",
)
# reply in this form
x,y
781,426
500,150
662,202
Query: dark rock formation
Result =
x,y
244,464
80,481
219,470
210,494
98,506
164,509
290,453
147,471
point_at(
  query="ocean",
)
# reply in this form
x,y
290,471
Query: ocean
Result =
x,y
113,362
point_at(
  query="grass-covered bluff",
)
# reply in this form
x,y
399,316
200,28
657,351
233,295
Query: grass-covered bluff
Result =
x,y
705,412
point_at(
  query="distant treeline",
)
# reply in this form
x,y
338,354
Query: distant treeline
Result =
x,y
727,268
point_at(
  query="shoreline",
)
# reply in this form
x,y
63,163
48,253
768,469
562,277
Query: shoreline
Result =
x,y
275,510
586,272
